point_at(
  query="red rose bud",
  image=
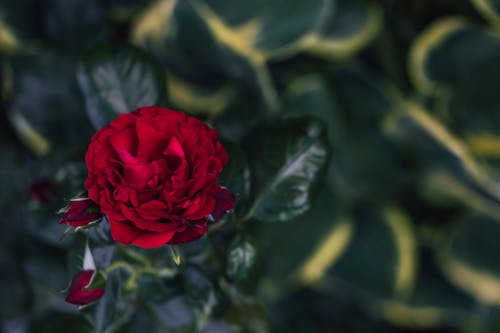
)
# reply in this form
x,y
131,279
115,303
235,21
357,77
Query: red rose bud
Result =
x,y
80,213
78,294
224,203
153,173
41,190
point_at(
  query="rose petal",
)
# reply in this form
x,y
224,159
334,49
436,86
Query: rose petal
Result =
x,y
174,148
82,297
151,140
193,232
202,204
136,173
149,240
224,203
81,280
123,231
125,139
126,233
141,223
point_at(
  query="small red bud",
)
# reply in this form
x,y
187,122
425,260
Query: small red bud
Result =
x,y
80,213
78,294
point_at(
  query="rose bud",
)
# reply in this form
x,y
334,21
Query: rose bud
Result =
x,y
78,294
80,213
41,190
153,173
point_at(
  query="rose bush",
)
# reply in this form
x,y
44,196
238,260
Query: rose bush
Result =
x,y
153,173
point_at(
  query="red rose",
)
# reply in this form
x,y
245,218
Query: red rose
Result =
x,y
153,173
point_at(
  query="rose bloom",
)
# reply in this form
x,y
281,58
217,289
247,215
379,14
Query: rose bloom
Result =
x,y
153,173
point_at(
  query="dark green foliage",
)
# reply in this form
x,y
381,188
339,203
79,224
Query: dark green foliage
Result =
x,y
370,129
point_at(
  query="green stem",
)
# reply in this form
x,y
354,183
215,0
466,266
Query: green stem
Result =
x,y
117,265
135,256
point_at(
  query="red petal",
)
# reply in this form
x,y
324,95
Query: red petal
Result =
x,y
224,203
150,240
81,280
193,232
79,214
151,140
82,297
123,231
175,148
202,204
126,233
125,139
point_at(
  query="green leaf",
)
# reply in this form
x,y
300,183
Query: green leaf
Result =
x,y
310,95
254,77
424,45
43,225
100,233
240,258
76,22
456,62
13,283
432,303
371,253
44,97
366,164
119,80
173,315
167,305
257,27
236,177
490,9
103,255
286,254
250,315
54,321
46,270
381,257
175,34
288,162
308,310
467,258
18,23
240,117
199,99
200,291
347,29
155,290
76,255
450,170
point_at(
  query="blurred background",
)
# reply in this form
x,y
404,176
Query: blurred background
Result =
x,y
405,234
